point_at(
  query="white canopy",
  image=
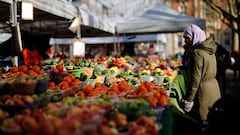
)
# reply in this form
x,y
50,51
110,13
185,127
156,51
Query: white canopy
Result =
x,y
159,19
107,40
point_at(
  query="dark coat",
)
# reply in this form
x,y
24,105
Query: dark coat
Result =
x,y
202,87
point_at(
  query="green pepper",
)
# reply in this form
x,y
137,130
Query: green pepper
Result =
x,y
93,64
107,82
82,77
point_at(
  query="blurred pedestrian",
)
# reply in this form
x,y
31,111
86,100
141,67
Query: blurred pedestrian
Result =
x,y
50,52
128,50
202,87
151,49
223,62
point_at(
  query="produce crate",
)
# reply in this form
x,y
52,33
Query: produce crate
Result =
x,y
15,109
156,113
57,77
76,72
70,91
133,108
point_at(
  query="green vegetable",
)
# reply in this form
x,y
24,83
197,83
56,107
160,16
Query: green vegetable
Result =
x,y
93,64
107,82
82,77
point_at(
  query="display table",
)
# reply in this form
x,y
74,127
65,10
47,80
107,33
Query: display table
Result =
x,y
175,122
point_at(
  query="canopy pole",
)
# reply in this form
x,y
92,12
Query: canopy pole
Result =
x,y
13,21
115,41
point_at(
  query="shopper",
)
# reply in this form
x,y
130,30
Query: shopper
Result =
x,y
223,62
50,52
202,87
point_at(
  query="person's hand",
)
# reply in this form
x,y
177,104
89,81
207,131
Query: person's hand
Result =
x,y
186,105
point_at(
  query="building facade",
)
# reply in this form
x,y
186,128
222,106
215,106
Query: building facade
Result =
x,y
214,25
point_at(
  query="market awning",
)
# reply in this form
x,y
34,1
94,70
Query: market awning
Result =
x,y
159,19
92,21
53,17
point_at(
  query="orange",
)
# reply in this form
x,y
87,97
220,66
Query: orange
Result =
x,y
76,80
92,93
21,74
41,72
23,68
55,70
36,68
153,101
142,92
51,84
31,73
114,88
141,88
88,89
75,83
111,93
68,79
60,67
163,102
63,85
163,92
157,95
56,88
97,84
148,85
72,77
14,69
80,94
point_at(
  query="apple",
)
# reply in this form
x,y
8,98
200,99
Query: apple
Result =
x,y
121,120
27,112
46,128
28,99
105,130
2,114
5,98
11,124
29,124
18,101
111,123
137,130
18,118
9,102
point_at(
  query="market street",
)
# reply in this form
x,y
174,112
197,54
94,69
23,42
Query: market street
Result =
x,y
232,86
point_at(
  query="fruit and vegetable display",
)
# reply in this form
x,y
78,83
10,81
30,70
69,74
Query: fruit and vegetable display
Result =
x,y
99,96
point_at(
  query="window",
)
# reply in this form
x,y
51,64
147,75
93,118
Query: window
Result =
x,y
227,39
183,7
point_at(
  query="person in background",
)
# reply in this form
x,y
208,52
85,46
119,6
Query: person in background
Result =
x,y
202,87
50,52
128,50
223,62
185,57
31,56
152,55
151,49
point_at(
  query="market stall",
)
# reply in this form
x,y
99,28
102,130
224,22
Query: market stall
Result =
x,y
98,95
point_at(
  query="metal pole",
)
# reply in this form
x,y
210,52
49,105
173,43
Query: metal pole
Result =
x,y
115,41
13,21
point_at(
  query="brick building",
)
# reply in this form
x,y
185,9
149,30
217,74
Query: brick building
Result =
x,y
214,26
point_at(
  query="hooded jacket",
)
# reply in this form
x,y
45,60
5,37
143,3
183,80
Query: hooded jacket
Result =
x,y
202,87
